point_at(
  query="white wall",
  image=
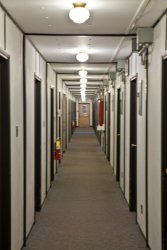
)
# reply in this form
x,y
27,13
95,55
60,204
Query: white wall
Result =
x,y
2,20
127,136
115,127
30,68
141,147
42,75
133,65
34,65
112,127
122,136
154,135
14,41
51,83
106,120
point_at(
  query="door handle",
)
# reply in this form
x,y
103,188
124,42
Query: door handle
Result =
x,y
118,134
133,145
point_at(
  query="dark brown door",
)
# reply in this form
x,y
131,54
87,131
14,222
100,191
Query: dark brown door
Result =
x,y
118,135
108,126
133,144
64,123
164,154
5,165
37,119
52,134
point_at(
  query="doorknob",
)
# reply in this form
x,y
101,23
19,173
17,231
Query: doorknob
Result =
x,y
118,134
166,171
133,145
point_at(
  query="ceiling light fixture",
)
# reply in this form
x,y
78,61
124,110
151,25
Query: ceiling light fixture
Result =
x,y
79,14
82,73
83,85
83,80
82,57
82,89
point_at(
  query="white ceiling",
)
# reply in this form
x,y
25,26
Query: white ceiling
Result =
x,y
40,18
65,48
104,14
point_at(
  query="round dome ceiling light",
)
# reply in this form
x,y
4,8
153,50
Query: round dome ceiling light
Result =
x,y
82,57
83,80
82,73
83,85
79,14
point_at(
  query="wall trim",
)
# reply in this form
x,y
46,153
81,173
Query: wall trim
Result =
x,y
93,63
37,78
4,54
133,78
80,35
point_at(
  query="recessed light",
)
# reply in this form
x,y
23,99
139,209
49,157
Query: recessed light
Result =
x,y
47,17
42,8
49,25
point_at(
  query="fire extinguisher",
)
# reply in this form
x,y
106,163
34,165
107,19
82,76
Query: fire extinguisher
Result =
x,y
58,149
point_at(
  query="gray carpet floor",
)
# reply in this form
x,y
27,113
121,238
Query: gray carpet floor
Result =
x,y
85,208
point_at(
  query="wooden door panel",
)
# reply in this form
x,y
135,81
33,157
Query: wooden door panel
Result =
x,y
84,115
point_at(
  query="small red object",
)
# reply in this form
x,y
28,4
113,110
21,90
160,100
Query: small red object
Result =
x,y
57,154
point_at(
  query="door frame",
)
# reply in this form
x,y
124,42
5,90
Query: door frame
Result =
x,y
164,154
118,130
132,192
108,126
5,130
37,183
51,134
64,122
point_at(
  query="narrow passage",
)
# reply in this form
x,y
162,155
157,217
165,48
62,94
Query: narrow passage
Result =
x,y
85,208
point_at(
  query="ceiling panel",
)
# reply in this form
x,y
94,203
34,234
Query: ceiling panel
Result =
x,y
63,49
71,70
51,16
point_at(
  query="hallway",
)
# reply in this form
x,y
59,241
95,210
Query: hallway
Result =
x,y
85,208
